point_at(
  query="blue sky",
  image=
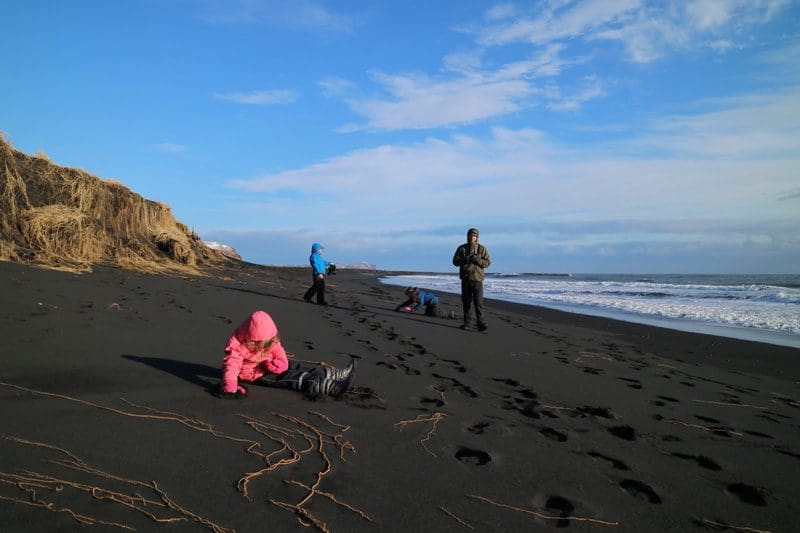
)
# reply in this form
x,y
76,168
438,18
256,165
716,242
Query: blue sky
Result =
x,y
578,136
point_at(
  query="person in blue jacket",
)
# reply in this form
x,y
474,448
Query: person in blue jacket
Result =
x,y
319,268
417,298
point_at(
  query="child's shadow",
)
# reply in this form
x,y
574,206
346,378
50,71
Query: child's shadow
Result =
x,y
194,373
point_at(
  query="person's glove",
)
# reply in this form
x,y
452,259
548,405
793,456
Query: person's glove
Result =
x,y
240,393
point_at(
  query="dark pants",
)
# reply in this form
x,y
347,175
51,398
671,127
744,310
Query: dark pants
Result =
x,y
433,310
318,288
472,294
291,379
430,310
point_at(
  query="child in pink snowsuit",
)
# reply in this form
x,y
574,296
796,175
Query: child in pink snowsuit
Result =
x,y
254,353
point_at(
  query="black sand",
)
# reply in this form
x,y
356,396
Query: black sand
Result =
x,y
550,420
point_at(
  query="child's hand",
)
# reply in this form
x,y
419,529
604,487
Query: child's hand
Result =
x,y
240,393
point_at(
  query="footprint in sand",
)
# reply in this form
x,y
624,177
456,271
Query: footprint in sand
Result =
x,y
601,412
640,490
772,417
436,402
479,428
707,419
787,452
560,506
410,371
669,399
461,368
464,389
507,381
701,460
552,434
623,432
473,457
616,463
632,383
748,494
759,434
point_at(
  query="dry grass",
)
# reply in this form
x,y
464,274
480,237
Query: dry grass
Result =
x,y
8,251
67,218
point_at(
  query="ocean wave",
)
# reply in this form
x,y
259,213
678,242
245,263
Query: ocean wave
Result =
x,y
766,307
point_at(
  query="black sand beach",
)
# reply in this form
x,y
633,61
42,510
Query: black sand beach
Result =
x,y
547,421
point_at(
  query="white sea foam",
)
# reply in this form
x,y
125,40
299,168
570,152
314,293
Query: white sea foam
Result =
x,y
675,300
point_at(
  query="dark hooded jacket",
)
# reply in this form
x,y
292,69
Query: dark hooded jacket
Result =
x,y
471,259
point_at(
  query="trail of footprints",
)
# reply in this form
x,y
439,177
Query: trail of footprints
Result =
x,y
525,402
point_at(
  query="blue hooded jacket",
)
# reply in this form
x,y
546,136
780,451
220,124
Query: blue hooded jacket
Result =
x,y
318,264
426,299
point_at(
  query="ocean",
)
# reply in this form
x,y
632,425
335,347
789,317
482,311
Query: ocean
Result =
x,y
764,308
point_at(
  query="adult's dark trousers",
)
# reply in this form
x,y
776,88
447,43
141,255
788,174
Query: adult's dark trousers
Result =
x,y
318,288
472,296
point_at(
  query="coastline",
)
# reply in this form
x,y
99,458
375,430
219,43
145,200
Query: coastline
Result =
x,y
584,421
655,318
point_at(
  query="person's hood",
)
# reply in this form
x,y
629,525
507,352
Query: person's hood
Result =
x,y
316,247
258,327
471,231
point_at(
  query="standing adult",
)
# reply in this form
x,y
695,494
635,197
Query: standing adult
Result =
x,y
319,267
471,258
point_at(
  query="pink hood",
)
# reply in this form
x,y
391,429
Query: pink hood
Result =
x,y
259,327
240,363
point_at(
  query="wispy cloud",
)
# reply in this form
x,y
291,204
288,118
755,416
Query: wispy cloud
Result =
x,y
592,88
471,87
272,97
170,148
681,167
554,21
759,125
465,92
298,14
419,102
501,11
646,30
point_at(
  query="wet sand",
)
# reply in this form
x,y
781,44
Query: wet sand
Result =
x,y
549,420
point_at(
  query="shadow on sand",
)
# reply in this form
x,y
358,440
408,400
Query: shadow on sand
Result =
x,y
203,376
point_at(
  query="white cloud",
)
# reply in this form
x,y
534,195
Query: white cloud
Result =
x,y
277,96
647,30
471,88
737,162
501,11
299,14
593,88
750,127
335,86
559,21
463,62
418,101
708,14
